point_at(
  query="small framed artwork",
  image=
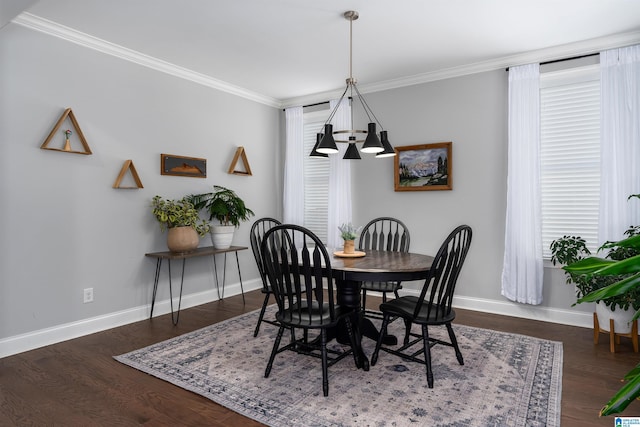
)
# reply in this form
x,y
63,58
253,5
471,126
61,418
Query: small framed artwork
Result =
x,y
423,167
183,166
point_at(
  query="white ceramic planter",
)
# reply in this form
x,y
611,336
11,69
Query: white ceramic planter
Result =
x,y
621,318
222,235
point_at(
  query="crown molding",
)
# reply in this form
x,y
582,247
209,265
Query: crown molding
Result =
x,y
557,52
69,34
542,55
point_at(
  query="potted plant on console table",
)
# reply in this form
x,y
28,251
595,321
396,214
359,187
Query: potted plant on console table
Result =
x,y
227,207
182,220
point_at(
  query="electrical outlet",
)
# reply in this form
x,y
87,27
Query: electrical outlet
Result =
x,y
88,295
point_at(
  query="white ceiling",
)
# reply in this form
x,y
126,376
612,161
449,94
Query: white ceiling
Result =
x,y
291,49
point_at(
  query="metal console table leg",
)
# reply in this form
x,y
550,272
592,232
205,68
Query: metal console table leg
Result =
x,y
224,275
199,252
155,285
175,316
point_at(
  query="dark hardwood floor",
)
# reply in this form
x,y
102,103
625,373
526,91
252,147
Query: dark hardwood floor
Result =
x,y
78,383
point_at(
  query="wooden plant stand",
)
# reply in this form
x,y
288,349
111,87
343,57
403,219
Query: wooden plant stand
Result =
x,y
614,338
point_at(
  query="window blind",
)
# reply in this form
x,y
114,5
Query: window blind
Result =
x,y
316,178
570,155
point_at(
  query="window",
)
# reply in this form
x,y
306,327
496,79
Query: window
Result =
x,y
316,177
570,154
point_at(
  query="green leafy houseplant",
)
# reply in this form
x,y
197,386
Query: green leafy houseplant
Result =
x,y
624,268
222,204
348,231
569,250
178,213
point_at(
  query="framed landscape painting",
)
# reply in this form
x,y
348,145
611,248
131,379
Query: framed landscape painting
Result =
x,y
423,167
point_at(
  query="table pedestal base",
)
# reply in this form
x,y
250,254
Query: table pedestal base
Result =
x,y
349,296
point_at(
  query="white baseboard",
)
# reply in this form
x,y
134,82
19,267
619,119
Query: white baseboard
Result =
x,y
43,337
544,314
526,311
40,338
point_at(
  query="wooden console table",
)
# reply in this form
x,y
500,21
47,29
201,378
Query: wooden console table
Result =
x,y
204,251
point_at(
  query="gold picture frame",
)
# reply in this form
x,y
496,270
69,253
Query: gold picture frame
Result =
x,y
424,167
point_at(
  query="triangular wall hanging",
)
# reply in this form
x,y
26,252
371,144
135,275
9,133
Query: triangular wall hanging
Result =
x,y
128,166
67,146
240,153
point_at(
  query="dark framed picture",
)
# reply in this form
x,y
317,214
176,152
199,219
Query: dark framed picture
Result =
x,y
183,166
423,167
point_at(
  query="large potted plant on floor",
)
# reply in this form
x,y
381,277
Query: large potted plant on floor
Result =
x,y
569,250
227,207
624,272
182,220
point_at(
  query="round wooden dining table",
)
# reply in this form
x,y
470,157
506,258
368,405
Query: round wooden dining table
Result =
x,y
374,266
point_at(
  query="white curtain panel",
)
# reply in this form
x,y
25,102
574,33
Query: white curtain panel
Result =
x,y
522,271
293,197
339,179
619,141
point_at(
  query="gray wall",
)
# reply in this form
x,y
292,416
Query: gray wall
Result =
x,y
63,227
470,111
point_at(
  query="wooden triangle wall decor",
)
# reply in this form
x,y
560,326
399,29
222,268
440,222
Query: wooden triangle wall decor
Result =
x,y
240,153
67,147
128,166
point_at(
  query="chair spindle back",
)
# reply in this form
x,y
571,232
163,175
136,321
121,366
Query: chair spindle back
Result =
x,y
437,291
298,267
256,235
385,234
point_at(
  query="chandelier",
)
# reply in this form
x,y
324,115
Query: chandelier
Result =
x,y
326,141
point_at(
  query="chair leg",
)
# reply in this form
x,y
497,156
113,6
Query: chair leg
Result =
x,y
325,369
264,307
407,330
454,341
276,344
427,354
383,330
385,323
364,300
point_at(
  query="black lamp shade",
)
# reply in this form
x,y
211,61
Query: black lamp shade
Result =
x,y
327,143
314,152
372,143
388,148
352,153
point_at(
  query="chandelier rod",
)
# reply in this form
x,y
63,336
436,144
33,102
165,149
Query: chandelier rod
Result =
x,y
351,16
333,113
366,107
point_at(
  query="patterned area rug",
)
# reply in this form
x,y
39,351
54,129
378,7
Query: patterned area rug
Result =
x,y
507,379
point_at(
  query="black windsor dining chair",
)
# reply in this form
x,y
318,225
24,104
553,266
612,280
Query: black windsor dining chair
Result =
x,y
383,234
258,230
433,306
299,270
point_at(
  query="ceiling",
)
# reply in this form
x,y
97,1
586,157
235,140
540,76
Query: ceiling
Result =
x,y
286,50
